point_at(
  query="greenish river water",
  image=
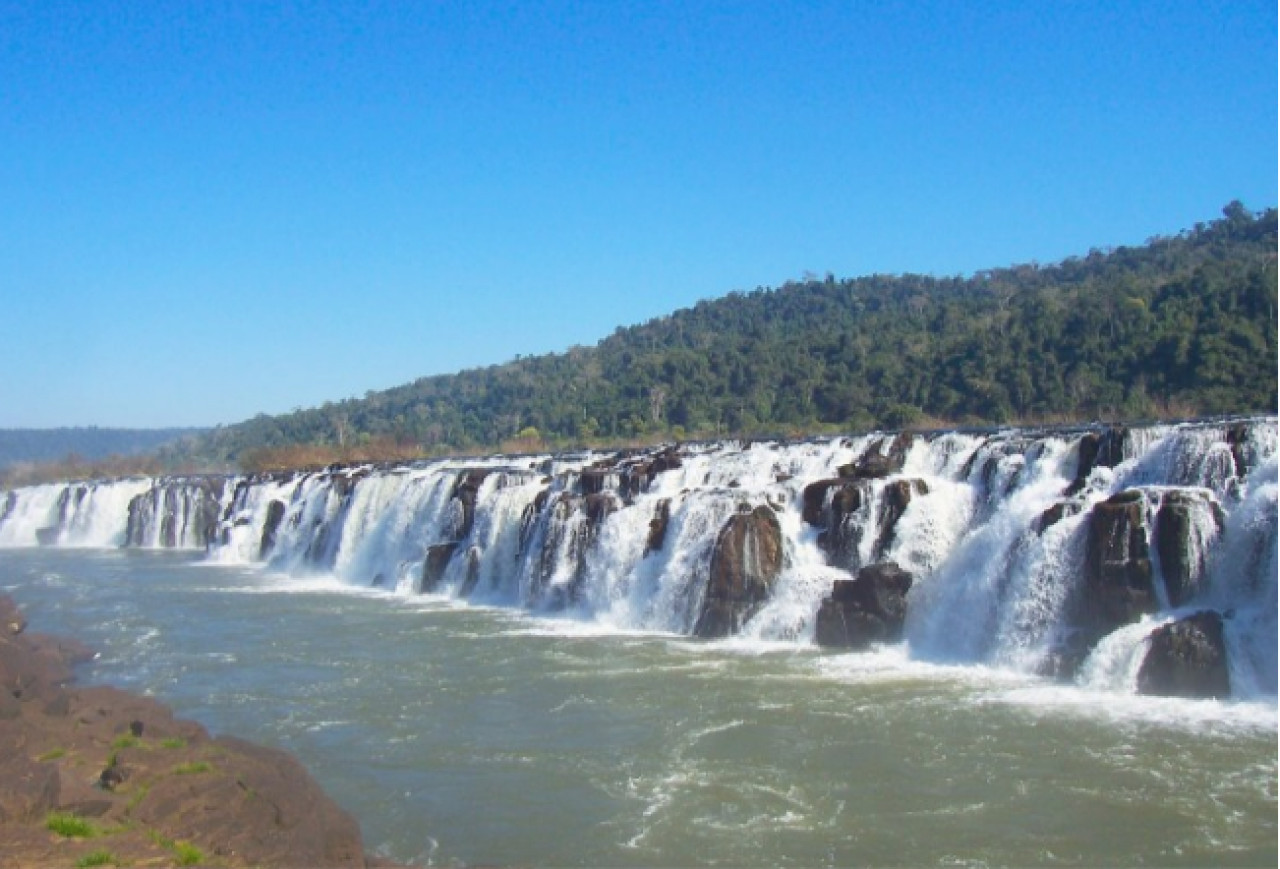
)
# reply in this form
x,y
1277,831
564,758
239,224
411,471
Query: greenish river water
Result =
x,y
459,734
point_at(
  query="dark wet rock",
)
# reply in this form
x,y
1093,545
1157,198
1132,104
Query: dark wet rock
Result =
x,y
1104,449
598,508
1118,583
1181,559
840,537
830,504
1055,514
658,526
814,500
894,500
464,500
175,512
1066,656
472,576
437,561
270,529
745,562
882,459
1238,440
529,517
667,460
870,608
48,536
595,481
1187,658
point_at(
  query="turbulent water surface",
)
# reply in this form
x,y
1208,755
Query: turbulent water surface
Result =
x,y
491,661
482,735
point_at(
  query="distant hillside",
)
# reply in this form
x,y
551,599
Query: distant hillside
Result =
x,y
1182,325
55,444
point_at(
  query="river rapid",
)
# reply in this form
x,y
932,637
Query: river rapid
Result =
x,y
463,733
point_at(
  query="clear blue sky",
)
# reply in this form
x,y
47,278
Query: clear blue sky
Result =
x,y
211,210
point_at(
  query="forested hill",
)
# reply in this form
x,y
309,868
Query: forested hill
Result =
x,y
1180,326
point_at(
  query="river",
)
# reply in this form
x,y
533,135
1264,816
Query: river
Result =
x,y
463,733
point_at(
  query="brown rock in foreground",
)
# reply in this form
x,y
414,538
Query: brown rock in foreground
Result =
x,y
149,789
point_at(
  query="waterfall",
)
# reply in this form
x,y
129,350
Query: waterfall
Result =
x,y
1061,552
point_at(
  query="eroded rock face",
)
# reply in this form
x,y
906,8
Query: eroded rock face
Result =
x,y
1118,583
1187,658
832,504
868,609
464,496
658,527
878,462
270,528
1177,531
433,568
1103,449
744,565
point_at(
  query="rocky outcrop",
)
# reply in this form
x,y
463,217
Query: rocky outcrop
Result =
x,y
831,505
176,513
882,459
147,781
1055,514
270,528
464,501
1118,585
658,526
1177,529
894,499
1187,658
433,568
1104,449
869,608
745,562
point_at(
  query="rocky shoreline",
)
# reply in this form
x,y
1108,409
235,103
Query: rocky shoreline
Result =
x,y
95,776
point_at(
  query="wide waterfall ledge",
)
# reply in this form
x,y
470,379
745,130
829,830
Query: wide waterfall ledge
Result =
x,y
1136,559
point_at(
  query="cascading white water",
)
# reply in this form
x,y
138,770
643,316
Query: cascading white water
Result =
x,y
77,514
993,527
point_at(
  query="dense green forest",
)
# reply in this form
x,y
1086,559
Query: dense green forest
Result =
x,y
1183,325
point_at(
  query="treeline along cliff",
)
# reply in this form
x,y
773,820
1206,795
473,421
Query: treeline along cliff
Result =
x,y
1181,326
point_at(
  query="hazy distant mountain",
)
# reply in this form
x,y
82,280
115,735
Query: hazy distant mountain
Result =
x,y
52,444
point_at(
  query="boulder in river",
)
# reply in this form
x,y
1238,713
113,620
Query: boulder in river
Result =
x,y
745,562
1187,658
867,609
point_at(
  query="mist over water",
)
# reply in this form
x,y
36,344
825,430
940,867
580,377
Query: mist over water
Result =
x,y
490,661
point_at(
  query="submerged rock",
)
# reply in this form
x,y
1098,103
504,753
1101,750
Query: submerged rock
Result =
x,y
1187,658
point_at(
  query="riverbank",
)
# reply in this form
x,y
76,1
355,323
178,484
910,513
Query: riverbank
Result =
x,y
95,776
